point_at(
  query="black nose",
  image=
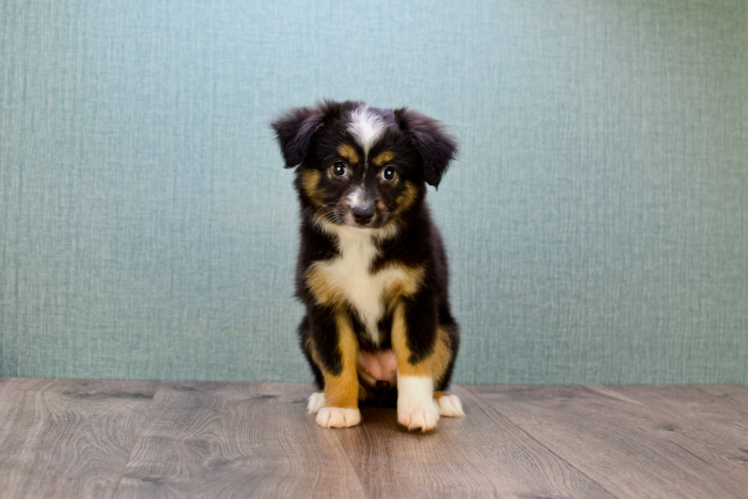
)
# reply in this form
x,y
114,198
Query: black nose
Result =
x,y
363,214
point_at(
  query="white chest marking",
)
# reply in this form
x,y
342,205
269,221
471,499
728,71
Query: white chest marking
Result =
x,y
349,275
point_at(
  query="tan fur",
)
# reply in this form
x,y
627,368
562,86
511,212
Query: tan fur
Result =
x,y
348,277
310,181
402,350
347,152
342,391
309,345
434,366
407,286
313,352
320,286
442,354
405,200
383,158
404,281
329,284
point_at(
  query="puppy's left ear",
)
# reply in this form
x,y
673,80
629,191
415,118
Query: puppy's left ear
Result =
x,y
294,130
436,146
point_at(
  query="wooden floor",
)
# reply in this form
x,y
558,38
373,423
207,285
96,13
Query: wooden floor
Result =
x,y
123,439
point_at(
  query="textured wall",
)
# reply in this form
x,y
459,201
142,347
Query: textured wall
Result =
x,y
596,219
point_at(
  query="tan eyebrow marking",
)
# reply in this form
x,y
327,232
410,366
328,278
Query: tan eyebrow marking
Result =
x,y
383,158
310,181
347,152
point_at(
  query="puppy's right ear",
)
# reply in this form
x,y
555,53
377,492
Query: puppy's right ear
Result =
x,y
294,130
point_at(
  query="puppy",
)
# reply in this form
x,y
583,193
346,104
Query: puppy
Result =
x,y
372,269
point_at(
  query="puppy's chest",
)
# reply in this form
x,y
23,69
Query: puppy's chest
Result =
x,y
348,277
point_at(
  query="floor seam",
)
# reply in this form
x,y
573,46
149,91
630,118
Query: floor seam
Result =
x,y
355,471
140,431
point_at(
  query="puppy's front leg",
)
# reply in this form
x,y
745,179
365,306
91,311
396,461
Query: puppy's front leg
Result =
x,y
334,336
414,340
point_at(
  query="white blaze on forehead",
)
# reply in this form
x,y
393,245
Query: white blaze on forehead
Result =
x,y
366,126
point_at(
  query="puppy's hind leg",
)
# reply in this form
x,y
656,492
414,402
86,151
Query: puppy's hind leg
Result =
x,y
317,399
449,405
315,402
447,341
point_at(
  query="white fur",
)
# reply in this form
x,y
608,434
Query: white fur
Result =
x,y
416,408
450,406
338,417
315,402
366,127
349,273
356,197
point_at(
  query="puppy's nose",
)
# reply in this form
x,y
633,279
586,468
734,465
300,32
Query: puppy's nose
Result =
x,y
363,214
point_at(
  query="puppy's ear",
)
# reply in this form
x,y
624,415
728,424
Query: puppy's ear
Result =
x,y
436,146
294,129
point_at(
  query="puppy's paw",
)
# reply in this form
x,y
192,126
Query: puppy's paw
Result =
x,y
449,406
338,417
315,402
423,416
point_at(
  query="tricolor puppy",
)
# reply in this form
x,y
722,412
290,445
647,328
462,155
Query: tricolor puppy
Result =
x,y
372,269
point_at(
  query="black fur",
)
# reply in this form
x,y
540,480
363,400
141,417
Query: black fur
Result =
x,y
436,147
309,139
295,128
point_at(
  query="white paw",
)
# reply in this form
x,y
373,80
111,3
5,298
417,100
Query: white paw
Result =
x,y
338,417
316,401
424,416
450,406
416,408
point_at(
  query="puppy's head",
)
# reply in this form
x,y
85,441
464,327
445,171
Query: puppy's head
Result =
x,y
361,166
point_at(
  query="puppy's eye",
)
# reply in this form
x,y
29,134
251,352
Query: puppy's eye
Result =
x,y
339,169
388,173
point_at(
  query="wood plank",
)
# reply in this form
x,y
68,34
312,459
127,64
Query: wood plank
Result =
x,y
28,384
477,456
71,439
727,424
236,440
733,395
630,449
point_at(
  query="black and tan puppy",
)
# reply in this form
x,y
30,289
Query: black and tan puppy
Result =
x,y
372,269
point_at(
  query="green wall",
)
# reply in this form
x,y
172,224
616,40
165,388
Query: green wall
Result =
x,y
596,219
